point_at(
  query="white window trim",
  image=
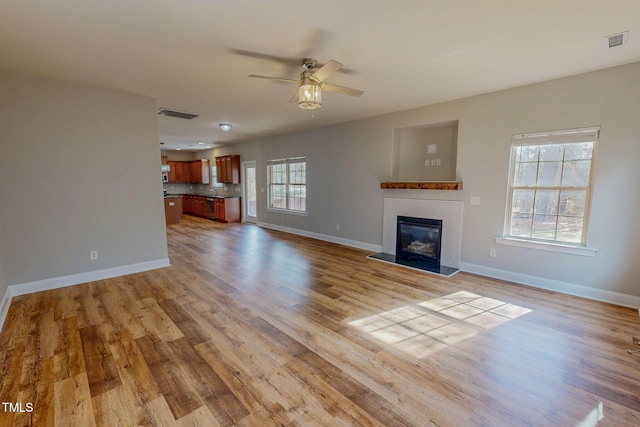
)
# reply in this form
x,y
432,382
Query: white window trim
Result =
x,y
553,137
547,246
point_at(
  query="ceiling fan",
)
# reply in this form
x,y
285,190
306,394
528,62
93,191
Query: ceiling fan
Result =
x,y
312,82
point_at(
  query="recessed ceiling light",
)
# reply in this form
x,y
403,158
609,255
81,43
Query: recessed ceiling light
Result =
x,y
225,127
178,149
200,143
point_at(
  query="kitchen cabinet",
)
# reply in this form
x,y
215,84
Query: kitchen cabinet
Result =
x,y
195,205
196,171
227,209
199,171
172,210
179,171
228,169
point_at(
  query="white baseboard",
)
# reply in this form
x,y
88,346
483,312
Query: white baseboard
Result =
x,y
574,289
324,237
74,279
4,306
602,295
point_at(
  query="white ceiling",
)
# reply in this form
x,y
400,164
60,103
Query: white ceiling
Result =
x,y
195,55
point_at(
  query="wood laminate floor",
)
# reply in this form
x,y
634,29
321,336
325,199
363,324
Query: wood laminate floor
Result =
x,y
252,327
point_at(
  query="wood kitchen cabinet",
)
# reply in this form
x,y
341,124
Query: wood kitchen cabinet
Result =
x,y
199,171
227,209
179,171
195,205
172,210
196,171
228,169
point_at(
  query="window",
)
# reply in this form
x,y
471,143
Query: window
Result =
x,y
287,179
550,186
214,177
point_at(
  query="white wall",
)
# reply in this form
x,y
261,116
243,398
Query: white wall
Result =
x,y
347,162
78,172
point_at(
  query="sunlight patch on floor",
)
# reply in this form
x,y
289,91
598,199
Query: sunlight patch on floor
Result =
x,y
426,327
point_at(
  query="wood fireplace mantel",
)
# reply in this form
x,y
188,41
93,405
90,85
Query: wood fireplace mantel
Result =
x,y
422,185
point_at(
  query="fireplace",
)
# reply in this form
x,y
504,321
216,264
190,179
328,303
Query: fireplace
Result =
x,y
419,239
443,258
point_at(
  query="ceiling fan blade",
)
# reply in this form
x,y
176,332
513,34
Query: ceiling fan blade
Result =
x,y
326,70
341,89
274,78
294,98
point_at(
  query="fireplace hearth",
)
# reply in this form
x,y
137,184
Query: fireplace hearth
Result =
x,y
418,245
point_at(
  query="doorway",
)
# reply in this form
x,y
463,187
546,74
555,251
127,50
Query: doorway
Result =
x,y
250,198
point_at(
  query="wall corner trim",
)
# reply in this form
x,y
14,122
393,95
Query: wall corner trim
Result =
x,y
574,289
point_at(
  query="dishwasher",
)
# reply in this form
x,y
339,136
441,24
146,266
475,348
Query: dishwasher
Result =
x,y
211,207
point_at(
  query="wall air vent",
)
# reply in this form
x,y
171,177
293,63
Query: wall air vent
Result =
x,y
174,113
615,40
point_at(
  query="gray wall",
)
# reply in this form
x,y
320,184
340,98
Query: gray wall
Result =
x,y
78,172
410,151
347,162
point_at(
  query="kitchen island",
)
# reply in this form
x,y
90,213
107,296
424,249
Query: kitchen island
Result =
x,y
172,209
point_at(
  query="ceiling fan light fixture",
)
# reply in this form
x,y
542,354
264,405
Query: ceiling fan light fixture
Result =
x,y
225,127
309,96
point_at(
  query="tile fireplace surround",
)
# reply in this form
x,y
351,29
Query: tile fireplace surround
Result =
x,y
449,211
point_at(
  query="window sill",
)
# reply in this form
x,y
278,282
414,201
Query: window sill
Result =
x,y
286,211
549,247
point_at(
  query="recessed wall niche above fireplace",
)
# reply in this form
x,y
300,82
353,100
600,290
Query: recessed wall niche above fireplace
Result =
x,y
422,248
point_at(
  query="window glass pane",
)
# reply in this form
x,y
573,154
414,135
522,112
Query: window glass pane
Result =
x,y
570,229
547,202
549,174
525,174
576,173
521,224
544,227
551,152
529,153
578,151
572,202
522,201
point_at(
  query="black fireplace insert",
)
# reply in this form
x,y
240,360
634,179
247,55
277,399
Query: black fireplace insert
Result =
x,y
419,239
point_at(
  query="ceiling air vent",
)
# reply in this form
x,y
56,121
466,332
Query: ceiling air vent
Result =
x,y
615,40
174,113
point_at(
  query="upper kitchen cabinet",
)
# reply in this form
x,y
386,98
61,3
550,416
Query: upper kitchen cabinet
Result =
x,y
199,171
196,171
178,172
228,169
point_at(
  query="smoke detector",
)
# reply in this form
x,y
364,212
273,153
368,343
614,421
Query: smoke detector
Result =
x,y
615,40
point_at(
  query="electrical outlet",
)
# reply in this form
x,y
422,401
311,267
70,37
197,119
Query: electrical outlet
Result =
x,y
93,255
492,252
338,227
636,341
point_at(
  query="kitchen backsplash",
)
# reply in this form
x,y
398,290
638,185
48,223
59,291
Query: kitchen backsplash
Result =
x,y
203,189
